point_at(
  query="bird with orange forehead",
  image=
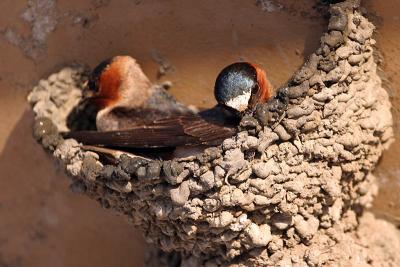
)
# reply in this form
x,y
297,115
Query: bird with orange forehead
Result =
x,y
134,114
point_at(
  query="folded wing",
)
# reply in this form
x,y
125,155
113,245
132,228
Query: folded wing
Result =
x,y
169,132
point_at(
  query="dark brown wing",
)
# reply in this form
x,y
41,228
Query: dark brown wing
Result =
x,y
169,132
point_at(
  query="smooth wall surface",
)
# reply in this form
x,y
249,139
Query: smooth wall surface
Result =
x,y
42,223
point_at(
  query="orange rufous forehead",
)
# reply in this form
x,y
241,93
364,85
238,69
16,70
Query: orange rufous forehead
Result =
x,y
265,85
110,82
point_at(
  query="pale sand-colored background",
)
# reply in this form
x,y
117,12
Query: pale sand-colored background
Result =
x,y
42,223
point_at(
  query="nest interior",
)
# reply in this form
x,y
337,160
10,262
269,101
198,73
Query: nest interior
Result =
x,y
291,185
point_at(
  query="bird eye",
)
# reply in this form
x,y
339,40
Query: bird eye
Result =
x,y
255,95
93,84
255,89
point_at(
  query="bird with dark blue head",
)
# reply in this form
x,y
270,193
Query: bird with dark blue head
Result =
x,y
240,86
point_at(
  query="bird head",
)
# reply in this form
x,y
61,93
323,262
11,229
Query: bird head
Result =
x,y
115,80
242,85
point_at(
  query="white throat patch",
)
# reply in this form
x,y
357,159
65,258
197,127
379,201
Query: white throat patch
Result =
x,y
240,102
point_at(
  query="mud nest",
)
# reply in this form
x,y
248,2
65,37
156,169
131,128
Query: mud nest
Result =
x,y
289,189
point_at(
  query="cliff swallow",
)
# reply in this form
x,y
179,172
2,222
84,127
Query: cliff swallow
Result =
x,y
241,86
125,97
134,114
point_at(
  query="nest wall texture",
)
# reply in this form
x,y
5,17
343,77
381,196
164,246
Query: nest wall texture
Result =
x,y
297,175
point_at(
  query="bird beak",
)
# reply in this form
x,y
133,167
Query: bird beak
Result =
x,y
86,92
85,83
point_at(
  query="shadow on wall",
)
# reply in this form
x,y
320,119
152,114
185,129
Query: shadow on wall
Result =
x,y
44,224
